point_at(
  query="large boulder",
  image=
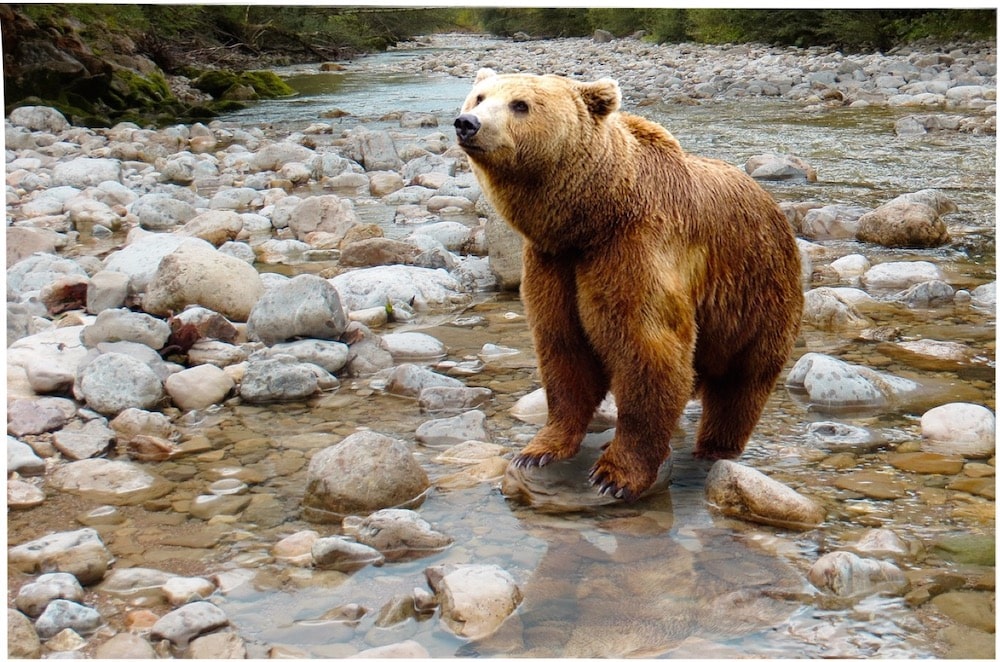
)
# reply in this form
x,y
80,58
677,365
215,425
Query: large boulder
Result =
x,y
835,384
364,473
912,219
113,382
198,274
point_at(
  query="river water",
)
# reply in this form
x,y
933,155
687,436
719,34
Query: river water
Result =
x,y
664,577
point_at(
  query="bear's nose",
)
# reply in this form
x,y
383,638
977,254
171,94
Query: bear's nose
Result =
x,y
466,126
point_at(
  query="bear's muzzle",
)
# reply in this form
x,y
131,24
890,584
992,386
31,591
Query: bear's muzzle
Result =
x,y
467,126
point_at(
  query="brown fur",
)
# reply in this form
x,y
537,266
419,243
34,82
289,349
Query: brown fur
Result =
x,y
648,271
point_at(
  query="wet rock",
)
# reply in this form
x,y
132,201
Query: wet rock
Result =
x,y
397,533
475,599
207,506
34,597
90,440
186,622
133,422
200,275
413,346
927,463
421,288
930,354
404,649
849,576
296,548
376,150
832,222
912,220
832,383
409,380
136,586
181,590
900,275
26,417
21,458
277,380
329,355
883,543
985,296
199,387
343,554
565,486
450,431
80,553
974,549
745,493
443,399
363,473
114,482
841,437
975,609
305,306
959,428
22,639
112,383
62,614
873,484
779,167
125,646
833,308
218,646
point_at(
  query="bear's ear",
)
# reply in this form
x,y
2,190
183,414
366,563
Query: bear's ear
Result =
x,y
484,73
602,97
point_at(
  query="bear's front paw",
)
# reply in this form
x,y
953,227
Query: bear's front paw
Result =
x,y
611,480
529,460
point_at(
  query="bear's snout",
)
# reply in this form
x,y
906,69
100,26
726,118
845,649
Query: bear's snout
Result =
x,y
466,126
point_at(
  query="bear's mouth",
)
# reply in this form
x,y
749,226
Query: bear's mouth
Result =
x,y
469,146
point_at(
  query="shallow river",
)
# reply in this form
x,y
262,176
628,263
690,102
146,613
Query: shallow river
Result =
x,y
665,576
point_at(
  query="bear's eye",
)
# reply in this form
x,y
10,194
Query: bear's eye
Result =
x,y
479,99
519,106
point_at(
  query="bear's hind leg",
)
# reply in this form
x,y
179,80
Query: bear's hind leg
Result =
x,y
731,407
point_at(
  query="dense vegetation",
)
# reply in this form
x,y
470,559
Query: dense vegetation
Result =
x,y
170,33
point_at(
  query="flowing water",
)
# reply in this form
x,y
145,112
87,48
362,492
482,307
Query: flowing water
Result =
x,y
664,576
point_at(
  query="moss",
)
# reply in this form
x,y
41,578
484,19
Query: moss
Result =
x,y
267,84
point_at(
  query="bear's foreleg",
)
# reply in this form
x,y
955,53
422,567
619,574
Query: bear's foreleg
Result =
x,y
647,339
574,379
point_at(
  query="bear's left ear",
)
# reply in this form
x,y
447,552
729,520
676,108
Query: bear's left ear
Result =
x,y
602,97
484,73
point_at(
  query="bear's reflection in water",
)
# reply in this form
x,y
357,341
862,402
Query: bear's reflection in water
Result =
x,y
641,580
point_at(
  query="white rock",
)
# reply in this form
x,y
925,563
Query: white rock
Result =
x,y
114,482
161,211
82,172
181,590
475,599
80,553
116,324
959,428
38,118
468,426
899,275
413,346
745,493
185,623
399,284
832,383
305,306
112,383
397,533
850,576
199,387
33,597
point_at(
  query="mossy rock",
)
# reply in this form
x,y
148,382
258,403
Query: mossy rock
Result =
x,y
143,91
267,84
968,548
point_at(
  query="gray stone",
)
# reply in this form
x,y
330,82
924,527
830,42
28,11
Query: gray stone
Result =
x,y
323,213
21,458
93,438
277,380
35,272
329,355
343,554
115,324
468,426
401,286
188,621
161,211
112,383
475,599
38,118
397,533
305,306
851,577
409,380
779,167
26,417
83,172
106,289
34,597
62,614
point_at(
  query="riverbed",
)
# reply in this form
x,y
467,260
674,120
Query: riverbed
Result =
x,y
666,576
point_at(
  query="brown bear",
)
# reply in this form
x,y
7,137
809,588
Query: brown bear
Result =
x,y
649,271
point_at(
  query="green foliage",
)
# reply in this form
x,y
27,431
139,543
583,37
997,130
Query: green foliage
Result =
x,y
536,22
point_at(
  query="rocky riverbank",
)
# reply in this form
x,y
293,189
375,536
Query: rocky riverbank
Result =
x,y
163,284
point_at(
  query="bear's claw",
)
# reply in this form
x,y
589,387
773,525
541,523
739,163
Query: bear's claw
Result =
x,y
606,486
529,461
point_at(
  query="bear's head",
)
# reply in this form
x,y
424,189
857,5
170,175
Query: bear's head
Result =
x,y
526,126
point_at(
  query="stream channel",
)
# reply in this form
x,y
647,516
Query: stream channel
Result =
x,y
665,576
